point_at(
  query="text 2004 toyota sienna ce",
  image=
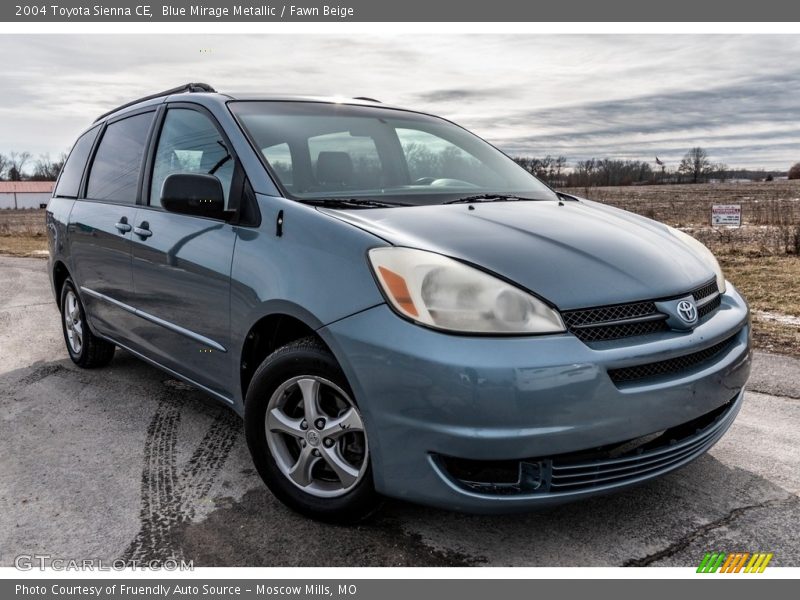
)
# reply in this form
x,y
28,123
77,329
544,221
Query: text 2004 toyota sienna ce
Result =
x,y
393,305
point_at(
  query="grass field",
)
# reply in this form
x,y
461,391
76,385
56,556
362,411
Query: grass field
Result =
x,y
22,233
770,212
762,258
763,203
771,285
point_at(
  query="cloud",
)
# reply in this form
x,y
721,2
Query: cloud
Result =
x,y
465,95
580,96
736,122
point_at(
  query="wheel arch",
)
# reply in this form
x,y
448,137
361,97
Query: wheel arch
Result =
x,y
282,324
60,275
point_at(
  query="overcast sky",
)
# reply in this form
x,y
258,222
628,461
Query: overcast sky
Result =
x,y
580,96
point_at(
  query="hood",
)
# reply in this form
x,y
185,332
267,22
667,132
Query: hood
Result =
x,y
575,254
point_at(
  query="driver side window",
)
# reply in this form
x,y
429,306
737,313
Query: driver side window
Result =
x,y
190,143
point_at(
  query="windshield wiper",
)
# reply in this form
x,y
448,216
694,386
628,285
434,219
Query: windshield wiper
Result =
x,y
492,198
348,203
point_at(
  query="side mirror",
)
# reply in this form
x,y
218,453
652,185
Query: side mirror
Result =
x,y
194,194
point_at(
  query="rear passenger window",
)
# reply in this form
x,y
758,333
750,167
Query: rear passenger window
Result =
x,y
114,175
70,179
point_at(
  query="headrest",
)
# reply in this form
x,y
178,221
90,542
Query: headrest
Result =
x,y
334,167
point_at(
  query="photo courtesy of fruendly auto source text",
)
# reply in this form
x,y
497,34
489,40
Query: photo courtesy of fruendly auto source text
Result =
x,y
374,300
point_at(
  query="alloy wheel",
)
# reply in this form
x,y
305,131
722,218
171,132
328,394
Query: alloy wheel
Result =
x,y
73,322
316,436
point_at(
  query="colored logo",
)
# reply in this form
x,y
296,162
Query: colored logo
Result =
x,y
736,562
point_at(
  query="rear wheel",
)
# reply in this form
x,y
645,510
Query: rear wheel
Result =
x,y
85,349
307,436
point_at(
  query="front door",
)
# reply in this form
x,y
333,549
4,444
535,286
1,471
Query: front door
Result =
x,y
182,264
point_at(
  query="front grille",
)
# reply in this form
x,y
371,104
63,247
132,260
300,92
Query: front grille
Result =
x,y
632,319
606,466
672,365
623,330
602,314
709,306
704,292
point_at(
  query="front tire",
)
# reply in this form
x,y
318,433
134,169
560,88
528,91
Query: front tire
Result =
x,y
306,434
85,349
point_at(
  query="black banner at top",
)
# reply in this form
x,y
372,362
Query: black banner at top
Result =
x,y
399,10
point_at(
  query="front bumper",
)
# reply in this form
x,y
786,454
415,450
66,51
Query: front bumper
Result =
x,y
427,396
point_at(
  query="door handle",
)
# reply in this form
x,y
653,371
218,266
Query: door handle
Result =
x,y
123,226
143,230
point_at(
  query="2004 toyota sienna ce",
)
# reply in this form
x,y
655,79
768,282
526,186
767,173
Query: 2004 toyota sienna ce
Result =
x,y
393,305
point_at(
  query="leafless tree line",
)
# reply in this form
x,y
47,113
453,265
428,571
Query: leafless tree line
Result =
x,y
549,168
21,166
695,167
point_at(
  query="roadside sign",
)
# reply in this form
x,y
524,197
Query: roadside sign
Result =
x,y
729,215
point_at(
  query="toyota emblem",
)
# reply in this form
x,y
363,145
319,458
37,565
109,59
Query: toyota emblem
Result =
x,y
687,311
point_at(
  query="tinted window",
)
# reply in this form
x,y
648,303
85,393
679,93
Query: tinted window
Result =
x,y
190,143
70,179
115,171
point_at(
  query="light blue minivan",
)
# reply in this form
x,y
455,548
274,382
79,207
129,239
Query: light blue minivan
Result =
x,y
392,304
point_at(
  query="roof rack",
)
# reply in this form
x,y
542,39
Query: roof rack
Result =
x,y
367,99
186,88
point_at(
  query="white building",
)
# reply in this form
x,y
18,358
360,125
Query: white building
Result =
x,y
25,194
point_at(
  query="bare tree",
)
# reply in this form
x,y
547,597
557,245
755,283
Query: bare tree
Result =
x,y
794,172
589,172
559,165
695,164
719,171
584,172
3,166
16,165
46,169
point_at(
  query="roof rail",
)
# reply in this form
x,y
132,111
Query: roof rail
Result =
x,y
367,99
186,88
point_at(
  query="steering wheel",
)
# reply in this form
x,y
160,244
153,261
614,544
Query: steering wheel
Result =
x,y
444,182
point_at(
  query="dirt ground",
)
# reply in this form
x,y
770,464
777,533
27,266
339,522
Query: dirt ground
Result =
x,y
762,258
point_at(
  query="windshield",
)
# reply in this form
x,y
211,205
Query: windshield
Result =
x,y
326,151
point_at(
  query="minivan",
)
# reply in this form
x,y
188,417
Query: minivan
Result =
x,y
393,305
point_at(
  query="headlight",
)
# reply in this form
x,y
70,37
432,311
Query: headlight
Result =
x,y
703,252
441,292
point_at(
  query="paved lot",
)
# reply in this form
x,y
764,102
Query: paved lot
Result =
x,y
127,462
